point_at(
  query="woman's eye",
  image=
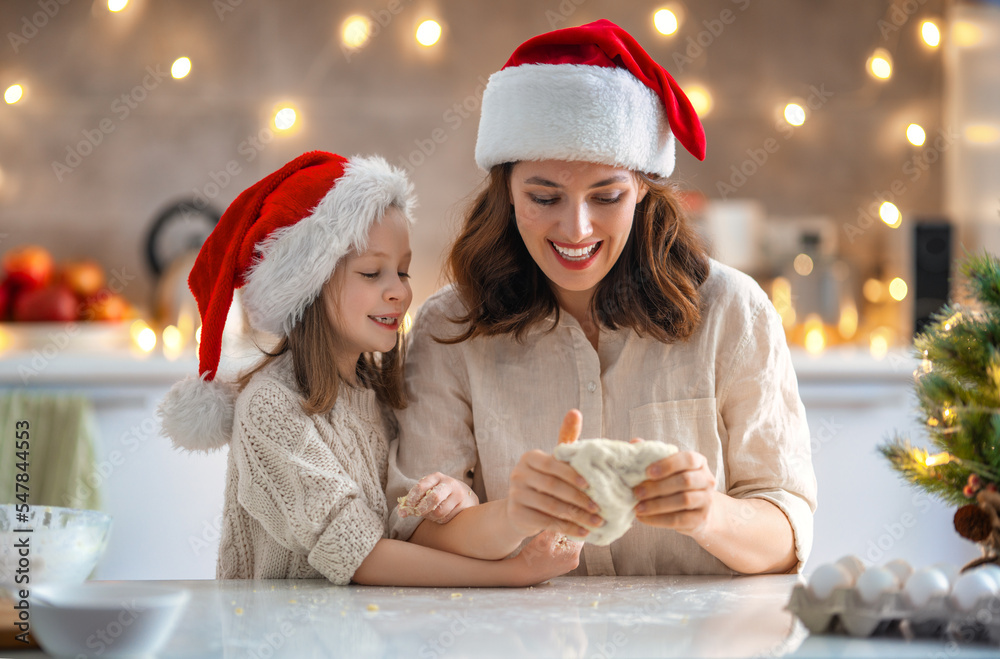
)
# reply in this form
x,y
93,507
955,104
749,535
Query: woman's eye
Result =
x,y
610,200
544,201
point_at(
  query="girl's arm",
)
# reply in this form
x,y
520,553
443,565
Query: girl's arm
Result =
x,y
397,563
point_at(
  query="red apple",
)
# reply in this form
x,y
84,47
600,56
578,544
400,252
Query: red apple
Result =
x,y
7,292
50,304
29,266
106,306
85,278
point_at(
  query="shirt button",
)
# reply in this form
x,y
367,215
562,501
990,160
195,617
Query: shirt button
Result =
x,y
591,386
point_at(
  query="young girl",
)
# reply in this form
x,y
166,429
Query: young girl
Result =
x,y
321,249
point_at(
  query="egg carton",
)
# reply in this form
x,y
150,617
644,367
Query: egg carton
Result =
x,y
844,611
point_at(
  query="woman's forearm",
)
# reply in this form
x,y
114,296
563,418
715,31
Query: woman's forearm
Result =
x,y
751,536
481,531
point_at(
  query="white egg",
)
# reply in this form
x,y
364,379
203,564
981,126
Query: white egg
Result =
x,y
853,564
971,587
827,577
924,584
950,571
991,569
874,582
900,568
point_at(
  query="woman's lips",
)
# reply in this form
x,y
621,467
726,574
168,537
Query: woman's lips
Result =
x,y
576,257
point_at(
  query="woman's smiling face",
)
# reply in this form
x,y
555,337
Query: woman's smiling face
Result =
x,y
574,218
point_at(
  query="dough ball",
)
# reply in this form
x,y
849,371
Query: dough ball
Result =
x,y
612,468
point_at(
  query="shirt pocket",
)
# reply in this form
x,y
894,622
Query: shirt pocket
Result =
x,y
690,425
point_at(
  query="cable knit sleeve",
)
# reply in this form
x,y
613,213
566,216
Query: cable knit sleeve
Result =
x,y
293,483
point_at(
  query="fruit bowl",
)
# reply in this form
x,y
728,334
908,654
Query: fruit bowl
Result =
x,y
64,544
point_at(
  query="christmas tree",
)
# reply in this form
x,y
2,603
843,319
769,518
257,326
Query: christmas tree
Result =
x,y
958,393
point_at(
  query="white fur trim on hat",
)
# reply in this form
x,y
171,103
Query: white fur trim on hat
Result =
x,y
573,112
297,260
198,415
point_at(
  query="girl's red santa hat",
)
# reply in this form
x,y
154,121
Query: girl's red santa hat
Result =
x,y
280,241
587,93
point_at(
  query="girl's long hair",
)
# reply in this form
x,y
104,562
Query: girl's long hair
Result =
x,y
652,288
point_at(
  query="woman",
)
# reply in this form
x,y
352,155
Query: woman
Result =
x,y
578,283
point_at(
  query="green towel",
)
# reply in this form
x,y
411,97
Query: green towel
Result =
x,y
61,465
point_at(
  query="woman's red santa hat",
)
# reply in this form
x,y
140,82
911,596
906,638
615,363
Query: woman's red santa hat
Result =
x,y
280,241
587,93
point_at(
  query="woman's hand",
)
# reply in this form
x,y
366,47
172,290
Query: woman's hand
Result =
x,y
545,493
678,495
437,497
549,554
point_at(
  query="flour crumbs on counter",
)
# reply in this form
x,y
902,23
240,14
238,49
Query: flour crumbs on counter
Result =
x,y
456,596
373,607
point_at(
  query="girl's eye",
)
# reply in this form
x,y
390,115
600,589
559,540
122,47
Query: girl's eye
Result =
x,y
369,275
544,201
403,275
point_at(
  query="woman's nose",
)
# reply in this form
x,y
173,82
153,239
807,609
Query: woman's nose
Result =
x,y
577,226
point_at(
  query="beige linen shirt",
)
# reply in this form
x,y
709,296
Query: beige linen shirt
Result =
x,y
727,392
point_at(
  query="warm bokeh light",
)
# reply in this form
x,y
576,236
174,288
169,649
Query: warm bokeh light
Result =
x,y
284,118
146,339
873,290
982,133
916,135
880,64
700,98
117,5
897,289
13,94
407,323
355,31
890,214
937,458
180,68
197,335
665,21
428,33
815,334
781,297
803,265
879,342
930,33
6,340
795,114
847,326
953,321
173,342
966,34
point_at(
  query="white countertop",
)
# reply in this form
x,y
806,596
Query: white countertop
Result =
x,y
566,617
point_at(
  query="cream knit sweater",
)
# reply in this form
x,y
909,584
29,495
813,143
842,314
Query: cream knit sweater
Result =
x,y
305,495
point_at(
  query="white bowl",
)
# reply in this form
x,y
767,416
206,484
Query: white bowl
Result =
x,y
107,619
64,544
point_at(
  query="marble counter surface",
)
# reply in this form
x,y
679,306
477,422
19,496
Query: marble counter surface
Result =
x,y
600,617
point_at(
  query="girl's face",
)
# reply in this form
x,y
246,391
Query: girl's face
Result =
x,y
574,218
369,292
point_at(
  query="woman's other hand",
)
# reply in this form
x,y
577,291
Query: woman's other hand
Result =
x,y
545,493
679,493
438,498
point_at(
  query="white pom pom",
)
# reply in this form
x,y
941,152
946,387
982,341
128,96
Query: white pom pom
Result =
x,y
197,415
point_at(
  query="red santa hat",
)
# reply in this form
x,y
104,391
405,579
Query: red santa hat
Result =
x,y
587,93
280,241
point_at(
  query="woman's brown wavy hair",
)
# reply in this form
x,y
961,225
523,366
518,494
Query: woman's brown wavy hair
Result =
x,y
314,345
652,287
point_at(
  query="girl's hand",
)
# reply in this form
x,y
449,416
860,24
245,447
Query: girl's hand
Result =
x,y
545,493
678,495
549,554
438,498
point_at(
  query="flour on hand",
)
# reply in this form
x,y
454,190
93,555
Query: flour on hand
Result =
x,y
612,468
